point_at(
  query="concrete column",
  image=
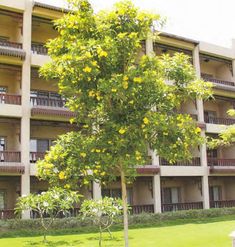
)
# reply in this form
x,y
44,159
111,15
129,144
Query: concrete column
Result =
x,y
157,193
196,63
25,121
149,46
205,192
233,67
96,191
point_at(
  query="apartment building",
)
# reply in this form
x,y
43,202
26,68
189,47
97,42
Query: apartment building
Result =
x,y
33,114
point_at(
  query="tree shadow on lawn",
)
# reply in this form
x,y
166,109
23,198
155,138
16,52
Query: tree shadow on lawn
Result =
x,y
40,243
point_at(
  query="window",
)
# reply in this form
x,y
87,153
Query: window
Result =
x,y
117,193
2,143
3,91
215,193
2,199
210,117
39,145
171,195
46,98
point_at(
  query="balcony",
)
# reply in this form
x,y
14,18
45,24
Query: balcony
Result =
x,y
39,49
47,102
167,207
6,43
222,204
138,209
218,81
219,120
9,156
194,162
35,156
11,99
10,162
221,165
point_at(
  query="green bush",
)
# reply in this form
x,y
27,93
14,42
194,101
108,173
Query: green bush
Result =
x,y
134,220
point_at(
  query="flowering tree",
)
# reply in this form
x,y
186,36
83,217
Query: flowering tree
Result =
x,y
103,212
48,205
122,103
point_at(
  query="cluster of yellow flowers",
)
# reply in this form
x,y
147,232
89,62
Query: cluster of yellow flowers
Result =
x,y
101,52
122,131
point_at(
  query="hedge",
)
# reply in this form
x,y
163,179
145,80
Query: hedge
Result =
x,y
140,219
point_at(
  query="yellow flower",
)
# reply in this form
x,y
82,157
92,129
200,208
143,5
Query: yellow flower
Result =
x,y
83,155
91,93
85,182
67,186
85,126
131,102
101,53
122,131
145,120
102,173
88,54
61,175
137,79
197,130
114,90
125,78
94,63
125,84
97,150
87,69
110,142
98,97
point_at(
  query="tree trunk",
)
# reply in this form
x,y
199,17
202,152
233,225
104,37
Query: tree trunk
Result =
x,y
125,211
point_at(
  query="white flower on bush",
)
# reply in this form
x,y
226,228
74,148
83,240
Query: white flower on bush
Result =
x,y
45,204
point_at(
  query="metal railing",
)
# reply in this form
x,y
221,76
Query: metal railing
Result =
x,y
138,209
50,102
219,120
218,81
7,43
166,207
35,156
222,204
10,99
9,156
39,49
7,214
220,162
196,161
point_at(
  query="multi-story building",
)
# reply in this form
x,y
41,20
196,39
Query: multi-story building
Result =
x,y
32,115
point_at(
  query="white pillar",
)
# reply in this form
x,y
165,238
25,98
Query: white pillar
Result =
x,y
205,192
96,191
25,121
157,193
149,46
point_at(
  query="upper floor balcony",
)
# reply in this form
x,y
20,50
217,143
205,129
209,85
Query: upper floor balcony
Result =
x,y
10,155
11,31
221,160
217,70
215,113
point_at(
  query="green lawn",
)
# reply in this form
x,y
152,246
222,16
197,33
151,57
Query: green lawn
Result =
x,y
211,234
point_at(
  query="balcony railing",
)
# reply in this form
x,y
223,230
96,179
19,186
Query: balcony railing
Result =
x,y
138,209
220,162
39,49
7,214
10,99
8,156
222,204
7,43
222,82
218,120
194,162
49,102
35,156
166,207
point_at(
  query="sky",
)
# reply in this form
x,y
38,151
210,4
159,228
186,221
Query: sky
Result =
x,y
212,21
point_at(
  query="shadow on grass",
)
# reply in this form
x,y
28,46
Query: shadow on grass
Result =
x,y
52,243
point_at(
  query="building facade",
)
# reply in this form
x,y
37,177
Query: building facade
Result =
x,y
33,114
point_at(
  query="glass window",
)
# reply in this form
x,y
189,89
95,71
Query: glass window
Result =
x,y
2,143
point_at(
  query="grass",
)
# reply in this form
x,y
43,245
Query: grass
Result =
x,y
200,233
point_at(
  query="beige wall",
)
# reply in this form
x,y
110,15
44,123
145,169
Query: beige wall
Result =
x,y
10,185
10,79
43,85
12,133
41,32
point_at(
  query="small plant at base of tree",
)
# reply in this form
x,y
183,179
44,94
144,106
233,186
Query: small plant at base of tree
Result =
x,y
103,212
48,205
